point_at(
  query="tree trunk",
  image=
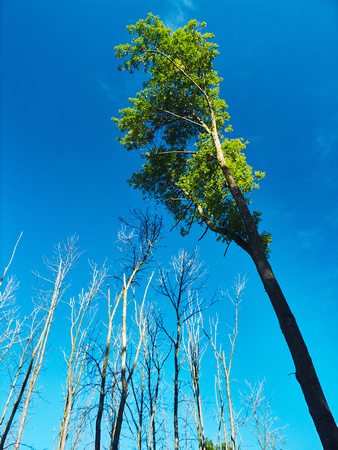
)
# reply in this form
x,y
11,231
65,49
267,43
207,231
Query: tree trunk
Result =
x,y
104,375
16,406
101,398
305,371
176,389
152,405
118,425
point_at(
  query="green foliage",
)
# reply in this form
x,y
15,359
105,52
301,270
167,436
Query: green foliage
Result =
x,y
210,446
166,56
171,121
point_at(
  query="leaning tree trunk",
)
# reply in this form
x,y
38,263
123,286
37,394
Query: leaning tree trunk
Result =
x,y
16,406
305,371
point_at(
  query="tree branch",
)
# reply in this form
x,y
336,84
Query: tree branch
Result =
x,y
10,262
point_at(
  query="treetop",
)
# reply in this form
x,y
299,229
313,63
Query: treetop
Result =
x,y
175,119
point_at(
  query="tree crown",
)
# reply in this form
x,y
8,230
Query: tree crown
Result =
x,y
172,120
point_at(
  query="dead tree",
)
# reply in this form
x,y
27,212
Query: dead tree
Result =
x,y
139,238
182,288
193,354
63,260
75,362
146,386
224,371
260,419
65,257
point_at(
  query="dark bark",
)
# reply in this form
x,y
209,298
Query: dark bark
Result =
x,y
101,405
118,425
153,361
305,372
153,403
176,388
16,405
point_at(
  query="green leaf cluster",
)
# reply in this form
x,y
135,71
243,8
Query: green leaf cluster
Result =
x,y
171,121
179,65
209,445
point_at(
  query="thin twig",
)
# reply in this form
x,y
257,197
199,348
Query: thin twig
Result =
x,y
10,262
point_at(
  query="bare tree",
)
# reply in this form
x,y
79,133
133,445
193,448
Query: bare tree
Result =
x,y
146,386
138,389
181,288
65,257
260,419
16,337
139,238
155,361
224,370
126,374
20,370
194,353
80,308
9,324
103,371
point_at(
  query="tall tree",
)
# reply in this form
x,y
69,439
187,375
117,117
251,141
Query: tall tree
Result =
x,y
140,237
194,353
182,288
224,370
81,308
179,122
64,259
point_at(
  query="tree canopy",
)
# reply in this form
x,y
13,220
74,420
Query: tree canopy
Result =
x,y
172,121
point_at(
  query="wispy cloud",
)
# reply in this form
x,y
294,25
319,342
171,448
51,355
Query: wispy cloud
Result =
x,y
325,152
310,238
327,134
106,89
178,13
188,3
327,140
331,218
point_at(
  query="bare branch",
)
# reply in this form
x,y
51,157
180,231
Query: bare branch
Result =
x,y
10,262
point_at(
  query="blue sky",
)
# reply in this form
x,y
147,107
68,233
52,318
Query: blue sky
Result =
x,y
62,171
